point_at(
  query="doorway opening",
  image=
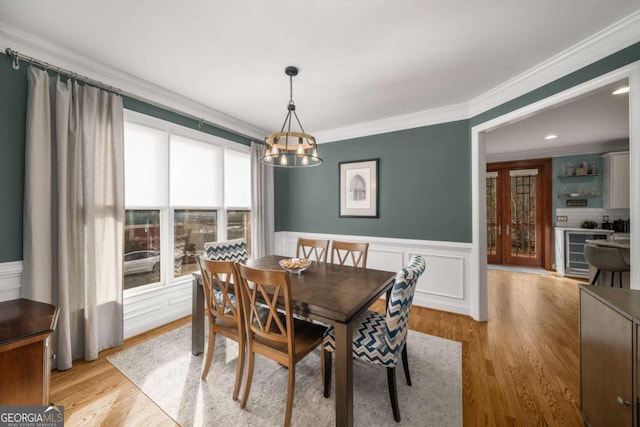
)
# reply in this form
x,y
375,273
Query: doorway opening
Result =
x,y
478,295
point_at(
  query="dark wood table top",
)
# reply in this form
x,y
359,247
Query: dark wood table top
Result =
x,y
331,291
22,318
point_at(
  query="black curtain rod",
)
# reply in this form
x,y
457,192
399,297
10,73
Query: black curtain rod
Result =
x,y
16,57
15,62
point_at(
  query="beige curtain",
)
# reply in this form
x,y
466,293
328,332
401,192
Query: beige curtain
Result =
x,y
74,212
262,205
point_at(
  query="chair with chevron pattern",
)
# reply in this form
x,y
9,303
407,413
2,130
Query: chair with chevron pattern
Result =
x,y
230,250
381,338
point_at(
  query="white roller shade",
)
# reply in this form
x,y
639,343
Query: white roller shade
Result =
x,y
145,165
196,173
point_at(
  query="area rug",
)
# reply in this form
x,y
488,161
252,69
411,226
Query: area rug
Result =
x,y
166,371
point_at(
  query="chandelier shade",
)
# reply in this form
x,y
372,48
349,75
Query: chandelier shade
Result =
x,y
287,148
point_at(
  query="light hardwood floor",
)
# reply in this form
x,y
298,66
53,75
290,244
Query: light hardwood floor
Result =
x,y
519,368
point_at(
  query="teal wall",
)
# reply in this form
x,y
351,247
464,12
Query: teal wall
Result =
x,y
425,191
13,113
590,184
423,180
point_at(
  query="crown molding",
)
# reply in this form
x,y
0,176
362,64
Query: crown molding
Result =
x,y
408,121
620,35
130,85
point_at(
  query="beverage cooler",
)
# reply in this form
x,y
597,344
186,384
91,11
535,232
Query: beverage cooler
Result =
x,y
575,240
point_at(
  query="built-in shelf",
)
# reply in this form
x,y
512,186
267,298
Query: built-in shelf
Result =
x,y
579,176
585,196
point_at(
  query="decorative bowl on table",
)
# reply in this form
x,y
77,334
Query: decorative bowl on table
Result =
x,y
295,265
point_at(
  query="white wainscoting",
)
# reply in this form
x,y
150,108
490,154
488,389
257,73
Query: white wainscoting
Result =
x,y
443,286
10,280
143,311
445,282
156,307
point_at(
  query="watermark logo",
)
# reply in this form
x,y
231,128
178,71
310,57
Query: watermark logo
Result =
x,y
32,416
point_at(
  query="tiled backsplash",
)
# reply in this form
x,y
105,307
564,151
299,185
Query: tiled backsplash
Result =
x,y
576,216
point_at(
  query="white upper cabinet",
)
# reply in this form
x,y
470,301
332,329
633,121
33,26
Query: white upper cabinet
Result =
x,y
615,191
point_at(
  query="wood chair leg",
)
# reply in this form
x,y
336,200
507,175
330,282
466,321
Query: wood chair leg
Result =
x,y
247,385
595,278
393,393
327,372
210,348
241,351
405,364
290,393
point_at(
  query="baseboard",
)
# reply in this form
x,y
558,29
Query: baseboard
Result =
x,y
445,282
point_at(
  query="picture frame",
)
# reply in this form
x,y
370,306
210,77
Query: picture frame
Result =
x,y
359,189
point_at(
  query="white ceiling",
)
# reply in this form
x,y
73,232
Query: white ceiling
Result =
x,y
360,60
593,123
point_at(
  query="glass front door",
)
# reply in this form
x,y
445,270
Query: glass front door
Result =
x,y
515,196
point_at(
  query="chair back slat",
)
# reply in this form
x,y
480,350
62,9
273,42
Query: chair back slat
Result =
x,y
313,249
399,305
230,250
218,278
264,288
342,251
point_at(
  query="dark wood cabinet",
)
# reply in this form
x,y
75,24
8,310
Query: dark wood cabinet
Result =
x,y
25,356
609,319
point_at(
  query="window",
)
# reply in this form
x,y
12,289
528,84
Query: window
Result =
x,y
182,188
192,228
239,226
141,248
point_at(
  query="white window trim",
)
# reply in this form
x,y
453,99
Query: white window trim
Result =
x,y
157,303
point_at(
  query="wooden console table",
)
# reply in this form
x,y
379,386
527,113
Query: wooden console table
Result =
x,y
25,327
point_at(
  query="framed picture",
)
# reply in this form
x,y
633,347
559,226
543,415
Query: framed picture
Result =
x,y
359,189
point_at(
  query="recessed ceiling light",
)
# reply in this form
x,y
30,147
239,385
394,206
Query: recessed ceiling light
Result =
x,y
621,90
551,136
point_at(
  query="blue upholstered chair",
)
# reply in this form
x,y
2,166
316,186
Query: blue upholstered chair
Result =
x,y
381,338
230,250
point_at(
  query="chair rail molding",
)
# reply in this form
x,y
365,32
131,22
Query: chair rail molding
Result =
x,y
10,280
445,282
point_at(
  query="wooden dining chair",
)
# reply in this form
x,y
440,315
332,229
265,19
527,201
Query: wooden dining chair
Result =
x,y
313,249
277,336
224,311
381,338
341,252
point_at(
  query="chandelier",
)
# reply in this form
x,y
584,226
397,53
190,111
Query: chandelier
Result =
x,y
290,149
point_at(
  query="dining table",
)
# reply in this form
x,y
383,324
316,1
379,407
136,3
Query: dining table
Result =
x,y
333,294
